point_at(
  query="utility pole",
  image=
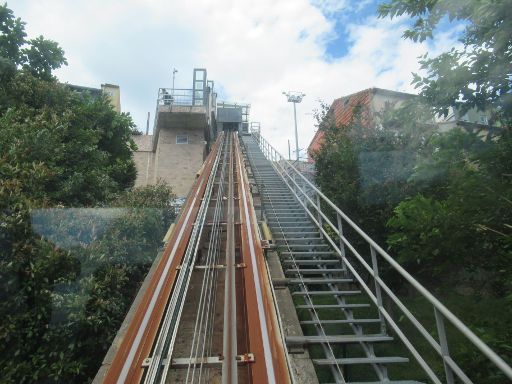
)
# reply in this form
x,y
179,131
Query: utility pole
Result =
x,y
147,125
295,97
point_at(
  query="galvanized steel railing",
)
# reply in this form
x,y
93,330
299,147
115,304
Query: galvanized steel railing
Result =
x,y
312,199
182,97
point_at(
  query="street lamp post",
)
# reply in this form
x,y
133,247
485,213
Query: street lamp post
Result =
x,y
174,71
295,97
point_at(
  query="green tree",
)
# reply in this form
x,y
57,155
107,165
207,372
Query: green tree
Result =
x,y
477,75
455,235
40,56
65,285
365,169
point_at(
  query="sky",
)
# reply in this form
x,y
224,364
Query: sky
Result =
x,y
252,50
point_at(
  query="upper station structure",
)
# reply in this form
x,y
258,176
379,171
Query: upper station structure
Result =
x,y
186,123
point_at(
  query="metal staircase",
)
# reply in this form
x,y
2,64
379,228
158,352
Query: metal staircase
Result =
x,y
349,333
319,281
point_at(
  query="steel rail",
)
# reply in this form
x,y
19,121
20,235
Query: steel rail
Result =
x,y
164,345
136,344
263,328
229,351
289,171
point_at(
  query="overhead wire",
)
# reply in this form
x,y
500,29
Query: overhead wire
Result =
x,y
205,308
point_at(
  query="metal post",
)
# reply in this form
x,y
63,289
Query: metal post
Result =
x,y
378,292
289,153
342,244
147,125
443,341
296,134
174,71
319,213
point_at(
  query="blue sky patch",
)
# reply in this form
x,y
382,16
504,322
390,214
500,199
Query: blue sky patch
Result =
x,y
355,12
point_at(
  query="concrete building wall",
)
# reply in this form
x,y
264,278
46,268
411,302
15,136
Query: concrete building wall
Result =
x,y
381,98
144,160
177,164
145,164
167,159
114,93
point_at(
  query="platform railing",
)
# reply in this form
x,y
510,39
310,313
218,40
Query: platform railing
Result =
x,y
182,97
316,205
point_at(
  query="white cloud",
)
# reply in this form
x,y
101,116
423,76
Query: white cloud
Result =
x,y
254,50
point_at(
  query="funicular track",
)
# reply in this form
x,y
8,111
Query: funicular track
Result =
x,y
207,314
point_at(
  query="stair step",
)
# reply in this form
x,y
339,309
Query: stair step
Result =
x,y
328,280
362,360
345,321
326,293
336,339
289,215
292,239
315,271
311,262
297,227
387,382
288,220
313,253
278,236
331,306
306,246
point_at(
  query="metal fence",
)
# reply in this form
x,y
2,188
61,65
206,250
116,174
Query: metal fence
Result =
x,y
334,224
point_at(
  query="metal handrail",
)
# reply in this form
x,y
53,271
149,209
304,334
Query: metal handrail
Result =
x,y
297,183
169,96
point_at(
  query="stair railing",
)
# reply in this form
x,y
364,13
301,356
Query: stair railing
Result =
x,y
312,199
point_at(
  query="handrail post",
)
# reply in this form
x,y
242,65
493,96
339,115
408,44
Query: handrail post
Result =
x,y
378,291
342,244
319,214
443,341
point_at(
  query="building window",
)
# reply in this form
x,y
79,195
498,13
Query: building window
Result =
x,y
181,139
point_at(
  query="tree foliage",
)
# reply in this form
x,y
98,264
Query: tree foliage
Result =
x,y
476,75
365,170
39,56
441,201
75,242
